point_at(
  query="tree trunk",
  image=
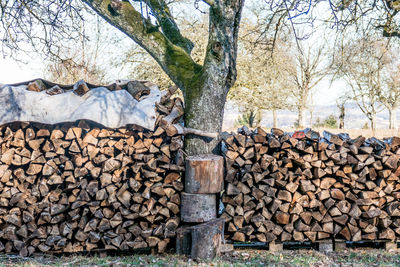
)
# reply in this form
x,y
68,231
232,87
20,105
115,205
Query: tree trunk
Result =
x,y
301,117
372,119
274,118
204,86
204,112
392,118
205,97
341,117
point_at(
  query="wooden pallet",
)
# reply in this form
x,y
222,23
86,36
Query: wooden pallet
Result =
x,y
322,246
379,244
339,245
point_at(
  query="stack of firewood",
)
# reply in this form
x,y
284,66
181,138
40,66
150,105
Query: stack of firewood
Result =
x,y
81,187
310,188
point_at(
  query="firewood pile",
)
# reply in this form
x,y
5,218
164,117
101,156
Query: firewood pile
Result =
x,y
303,187
78,186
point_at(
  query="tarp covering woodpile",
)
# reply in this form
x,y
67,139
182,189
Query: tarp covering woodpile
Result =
x,y
81,186
112,106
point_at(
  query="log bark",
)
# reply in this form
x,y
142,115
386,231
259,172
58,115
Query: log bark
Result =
x,y
207,239
202,241
204,174
197,208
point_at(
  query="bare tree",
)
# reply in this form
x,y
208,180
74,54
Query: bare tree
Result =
x,y
365,16
310,71
363,64
84,59
144,67
389,96
262,83
340,103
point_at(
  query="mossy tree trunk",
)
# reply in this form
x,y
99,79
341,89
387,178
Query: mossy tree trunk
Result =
x,y
204,87
204,104
204,110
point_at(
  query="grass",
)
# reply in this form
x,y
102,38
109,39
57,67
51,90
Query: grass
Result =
x,y
238,258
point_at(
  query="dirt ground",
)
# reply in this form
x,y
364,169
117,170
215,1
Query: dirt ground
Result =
x,y
349,257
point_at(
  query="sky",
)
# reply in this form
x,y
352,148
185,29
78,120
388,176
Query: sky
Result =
x,y
12,71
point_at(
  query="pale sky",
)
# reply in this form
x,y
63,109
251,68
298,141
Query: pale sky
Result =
x,y
14,72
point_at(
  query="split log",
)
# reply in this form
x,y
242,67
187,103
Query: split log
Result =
x,y
80,88
300,188
36,86
137,89
79,187
177,129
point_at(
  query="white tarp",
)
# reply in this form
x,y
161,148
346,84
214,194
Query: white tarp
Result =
x,y
112,109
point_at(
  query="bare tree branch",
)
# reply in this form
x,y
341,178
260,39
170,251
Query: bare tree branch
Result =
x,y
173,59
168,25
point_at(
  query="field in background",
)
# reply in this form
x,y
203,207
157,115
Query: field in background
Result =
x,y
238,258
379,133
